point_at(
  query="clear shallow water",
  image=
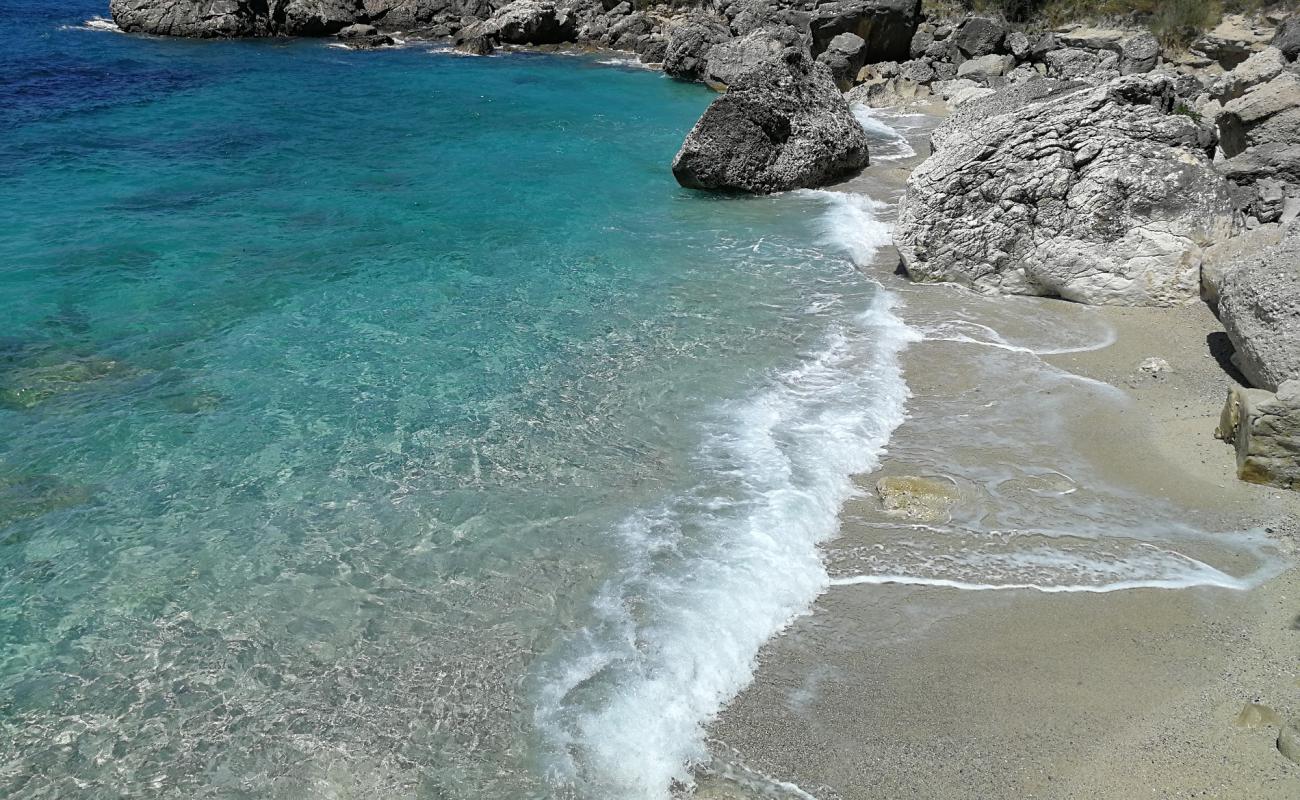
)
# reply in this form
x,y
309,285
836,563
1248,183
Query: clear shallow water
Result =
x,y
390,424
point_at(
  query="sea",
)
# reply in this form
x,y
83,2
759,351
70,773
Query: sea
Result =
x,y
389,424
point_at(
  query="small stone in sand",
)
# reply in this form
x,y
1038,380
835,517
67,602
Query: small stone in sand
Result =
x,y
1254,715
916,497
1155,367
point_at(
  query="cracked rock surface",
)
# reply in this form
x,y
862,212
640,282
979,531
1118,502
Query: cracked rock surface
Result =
x,y
1097,194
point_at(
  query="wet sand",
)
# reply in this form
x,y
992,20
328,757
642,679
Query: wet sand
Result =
x,y
911,691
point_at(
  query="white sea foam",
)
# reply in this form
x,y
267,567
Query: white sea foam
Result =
x,y
976,333
1055,562
94,24
712,573
850,225
886,143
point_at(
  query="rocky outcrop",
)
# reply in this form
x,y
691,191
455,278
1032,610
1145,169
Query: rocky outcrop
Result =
x,y
980,36
1264,428
1287,37
208,19
1267,114
1233,40
1228,255
689,45
1260,135
532,22
887,26
1259,305
782,125
360,36
731,59
1139,53
1096,194
844,56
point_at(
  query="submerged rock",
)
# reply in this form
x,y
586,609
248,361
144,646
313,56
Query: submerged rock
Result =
x,y
1259,305
28,386
782,125
27,496
1264,428
1095,194
915,497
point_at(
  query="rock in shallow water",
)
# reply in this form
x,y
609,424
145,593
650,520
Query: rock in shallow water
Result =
x,y
915,497
1095,194
782,125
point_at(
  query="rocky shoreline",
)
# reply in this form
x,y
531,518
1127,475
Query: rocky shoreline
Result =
x,y
1087,163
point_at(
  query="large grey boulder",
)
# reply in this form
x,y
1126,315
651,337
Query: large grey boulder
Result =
x,y
1287,37
1220,258
1259,305
689,45
1266,114
1075,64
533,22
887,26
728,60
1139,53
981,68
844,56
1264,428
782,125
1261,67
1100,195
980,36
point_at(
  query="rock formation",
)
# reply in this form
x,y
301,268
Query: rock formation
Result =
x,y
689,45
887,26
1259,305
209,19
532,22
1265,430
1094,194
731,59
782,125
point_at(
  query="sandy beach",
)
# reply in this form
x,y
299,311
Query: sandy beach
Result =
x,y
1042,416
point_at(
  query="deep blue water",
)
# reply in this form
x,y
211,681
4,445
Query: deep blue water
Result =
x,y
390,424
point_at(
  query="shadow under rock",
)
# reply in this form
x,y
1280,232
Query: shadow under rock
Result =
x,y
1220,347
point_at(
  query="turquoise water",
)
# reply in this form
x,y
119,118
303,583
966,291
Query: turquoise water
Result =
x,y
390,424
